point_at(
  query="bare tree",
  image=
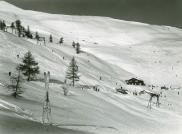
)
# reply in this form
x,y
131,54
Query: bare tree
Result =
x,y
16,82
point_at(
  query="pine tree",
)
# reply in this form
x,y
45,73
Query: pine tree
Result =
x,y
61,40
19,27
29,67
23,31
16,82
28,33
50,39
2,25
77,48
72,73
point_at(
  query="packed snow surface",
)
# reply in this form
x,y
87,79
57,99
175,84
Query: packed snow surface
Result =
x,y
114,50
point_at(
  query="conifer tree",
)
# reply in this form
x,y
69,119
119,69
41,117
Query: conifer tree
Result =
x,y
77,48
19,27
29,67
50,39
28,33
72,72
61,40
2,25
23,31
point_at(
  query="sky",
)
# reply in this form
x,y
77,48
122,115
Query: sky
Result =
x,y
160,12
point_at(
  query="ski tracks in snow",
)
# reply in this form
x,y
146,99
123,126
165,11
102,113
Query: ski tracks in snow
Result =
x,y
86,125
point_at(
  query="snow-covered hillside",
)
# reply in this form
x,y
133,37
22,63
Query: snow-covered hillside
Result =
x,y
113,49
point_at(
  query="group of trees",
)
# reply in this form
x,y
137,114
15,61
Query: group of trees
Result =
x,y
77,47
29,68
61,40
18,28
21,31
28,33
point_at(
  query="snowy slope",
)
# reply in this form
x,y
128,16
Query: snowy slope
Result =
x,y
114,49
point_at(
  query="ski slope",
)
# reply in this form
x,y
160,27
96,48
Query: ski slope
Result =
x,y
114,49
